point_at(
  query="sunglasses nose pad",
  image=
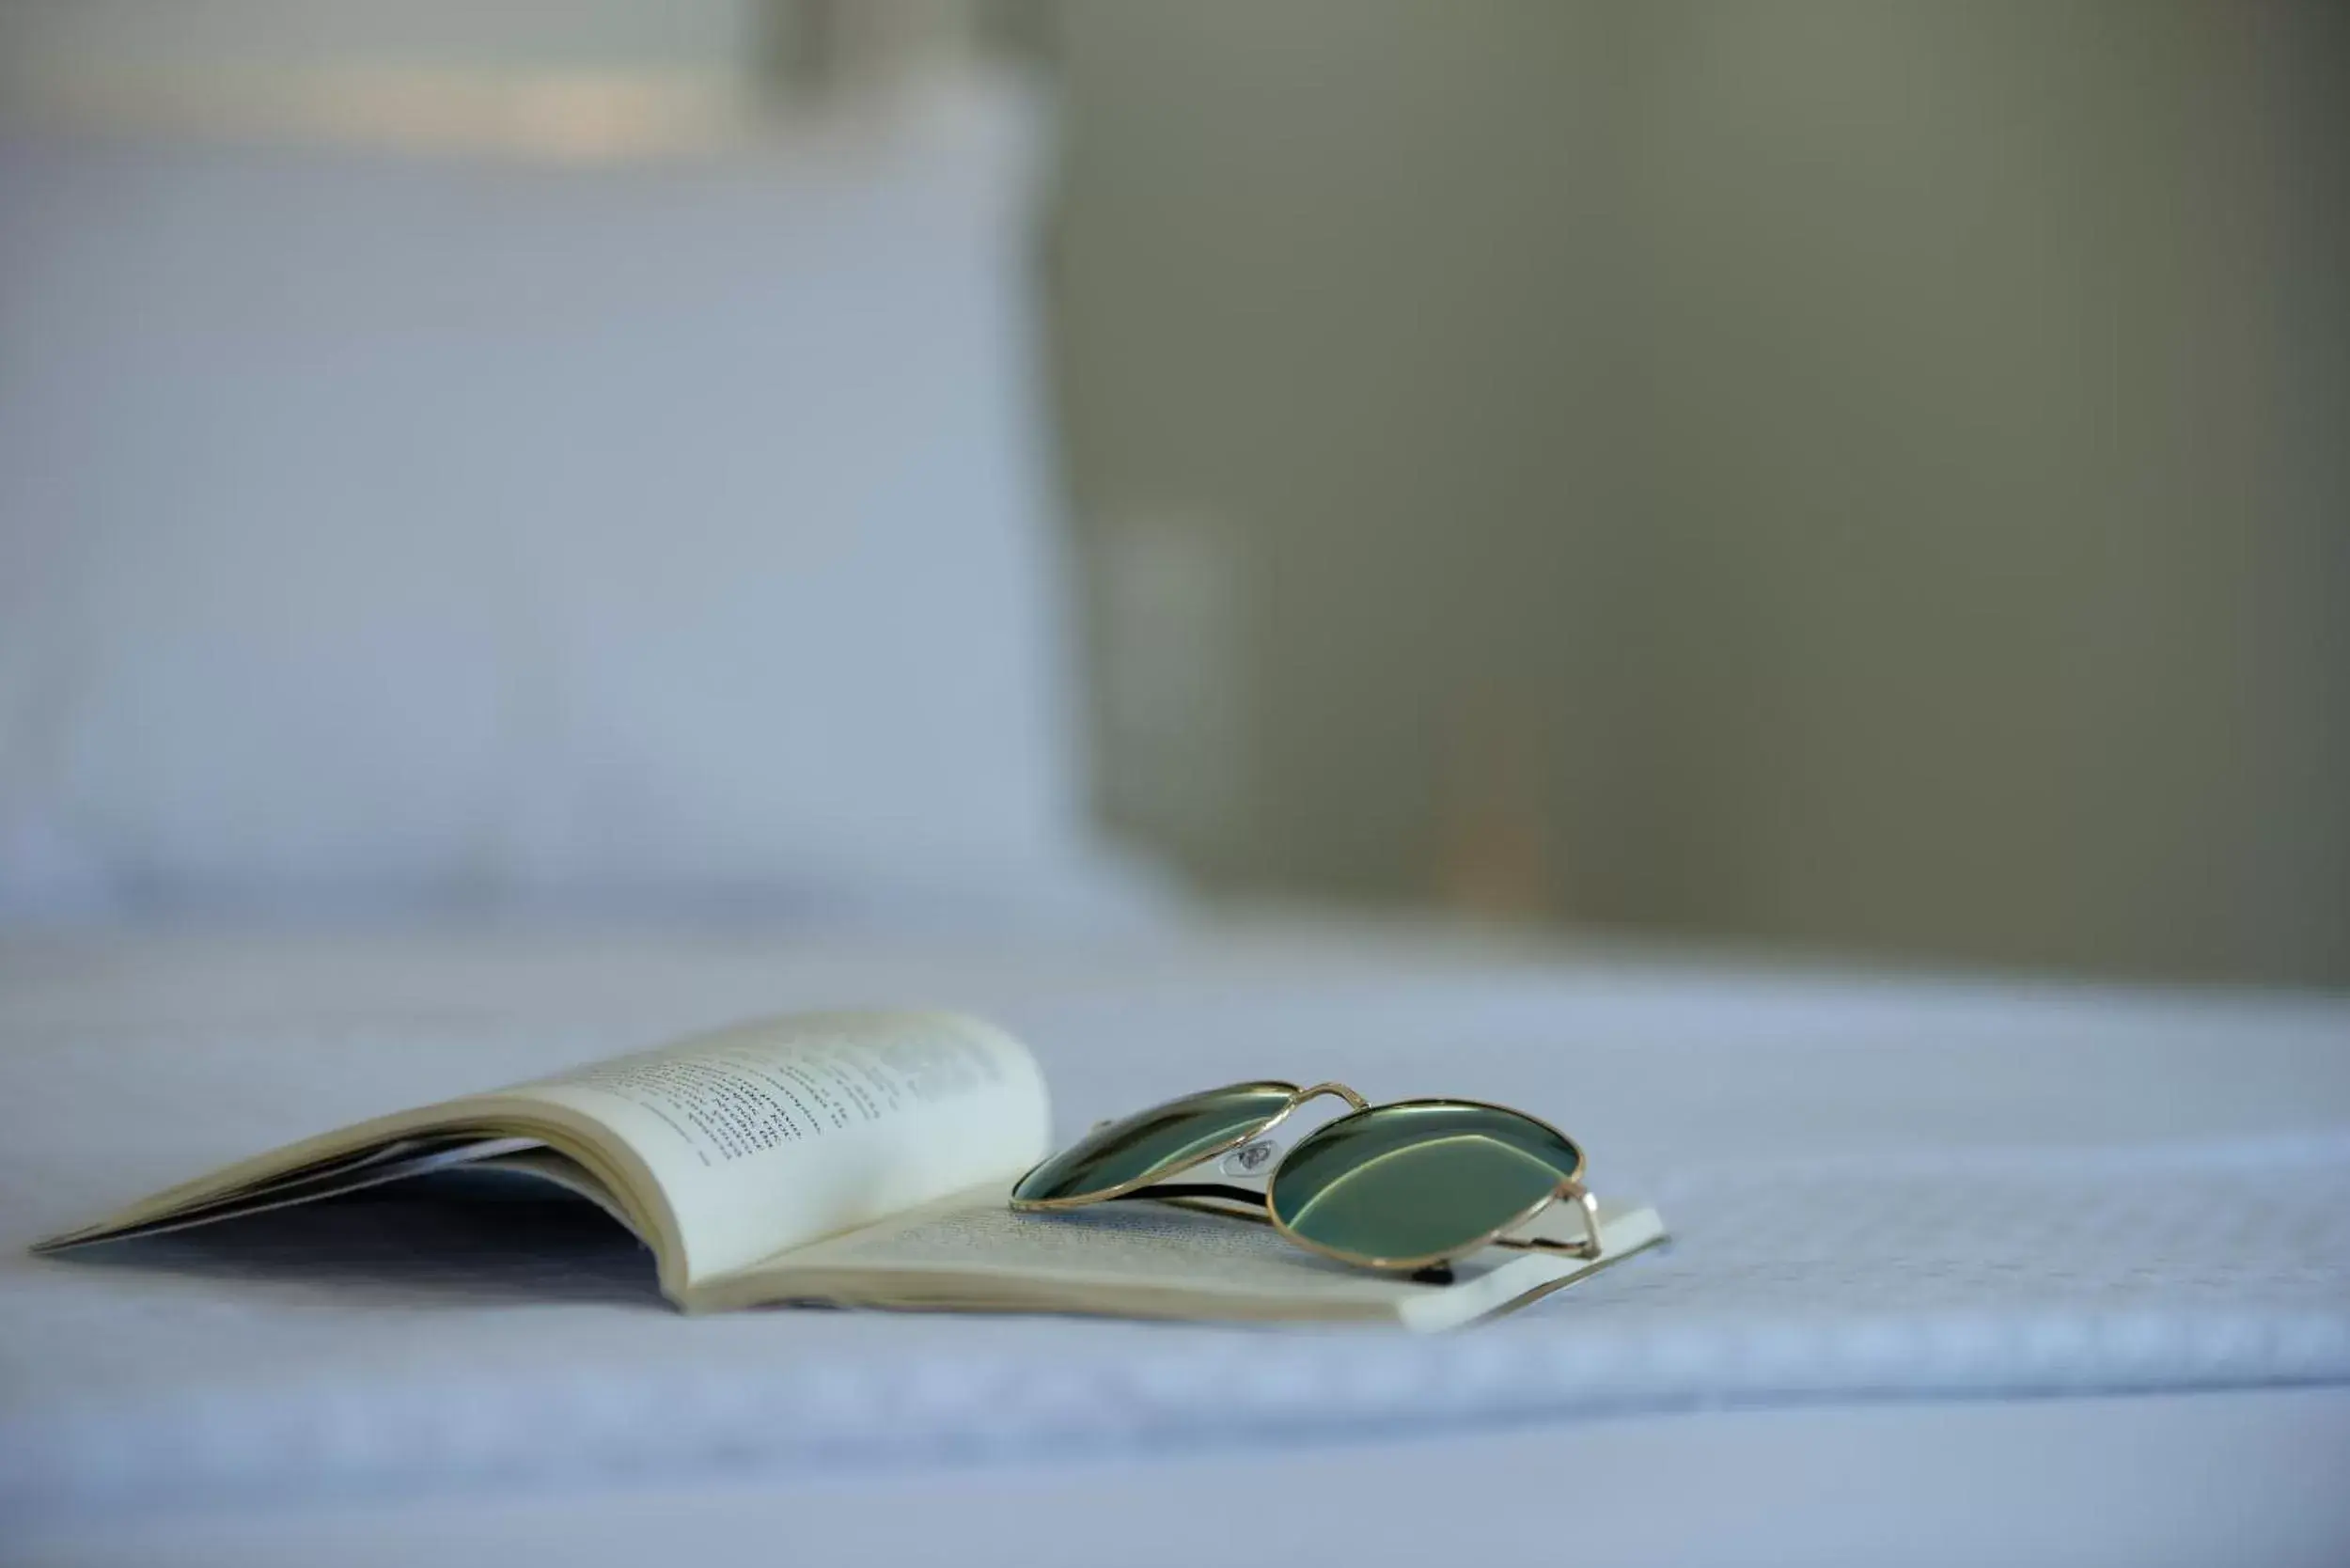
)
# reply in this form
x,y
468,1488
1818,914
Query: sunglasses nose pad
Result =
x,y
1249,1159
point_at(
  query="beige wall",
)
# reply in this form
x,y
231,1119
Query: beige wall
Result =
x,y
1860,475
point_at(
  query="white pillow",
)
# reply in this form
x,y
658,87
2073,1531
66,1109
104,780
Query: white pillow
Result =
x,y
378,529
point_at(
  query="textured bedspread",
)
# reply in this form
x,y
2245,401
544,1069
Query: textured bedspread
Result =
x,y
1881,1190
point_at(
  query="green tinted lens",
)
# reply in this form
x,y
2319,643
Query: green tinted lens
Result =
x,y
1418,1181
1129,1151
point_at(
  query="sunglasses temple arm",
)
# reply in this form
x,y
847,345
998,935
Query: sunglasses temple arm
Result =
x,y
1244,1193
1572,1195
1575,1193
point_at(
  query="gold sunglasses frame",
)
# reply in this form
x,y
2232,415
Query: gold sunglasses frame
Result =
x,y
1569,1189
1297,1097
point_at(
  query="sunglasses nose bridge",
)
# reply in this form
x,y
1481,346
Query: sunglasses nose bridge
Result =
x,y
1255,1158
1252,1162
1353,1101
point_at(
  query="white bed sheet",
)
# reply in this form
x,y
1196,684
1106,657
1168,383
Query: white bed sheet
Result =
x,y
1938,1219
2141,1481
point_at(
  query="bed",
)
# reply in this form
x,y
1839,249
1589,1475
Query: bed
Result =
x,y
422,667
1961,1269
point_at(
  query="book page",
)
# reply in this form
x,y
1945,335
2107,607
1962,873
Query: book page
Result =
x,y
399,1160
771,1134
1148,1259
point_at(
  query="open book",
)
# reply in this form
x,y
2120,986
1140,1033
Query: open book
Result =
x,y
854,1159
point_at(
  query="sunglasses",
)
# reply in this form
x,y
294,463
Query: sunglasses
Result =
x,y
1413,1186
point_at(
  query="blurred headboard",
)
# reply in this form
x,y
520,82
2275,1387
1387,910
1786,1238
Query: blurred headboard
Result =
x,y
580,81
538,491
